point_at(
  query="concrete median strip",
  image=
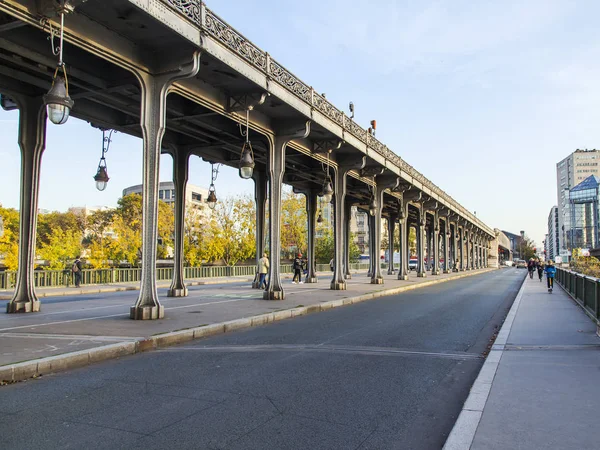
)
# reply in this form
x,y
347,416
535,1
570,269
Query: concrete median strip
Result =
x,y
43,366
463,433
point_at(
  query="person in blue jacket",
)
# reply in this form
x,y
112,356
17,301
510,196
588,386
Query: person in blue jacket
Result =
x,y
550,272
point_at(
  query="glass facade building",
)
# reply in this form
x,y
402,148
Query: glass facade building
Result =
x,y
583,212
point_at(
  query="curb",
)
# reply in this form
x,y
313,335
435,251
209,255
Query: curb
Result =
x,y
37,367
463,433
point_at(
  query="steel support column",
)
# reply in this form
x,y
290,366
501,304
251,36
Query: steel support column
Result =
x,y
404,247
421,236
154,91
338,282
311,214
383,182
462,240
278,144
260,198
447,264
348,214
436,244
181,159
32,142
391,222
372,258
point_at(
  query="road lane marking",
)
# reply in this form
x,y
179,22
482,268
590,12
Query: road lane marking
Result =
x,y
109,316
328,348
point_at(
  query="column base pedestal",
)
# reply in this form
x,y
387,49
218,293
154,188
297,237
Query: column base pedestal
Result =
x,y
403,277
273,295
376,280
178,292
337,286
348,276
311,280
391,272
23,307
147,312
454,270
446,271
435,272
421,275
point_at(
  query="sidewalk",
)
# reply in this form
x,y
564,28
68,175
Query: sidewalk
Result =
x,y
73,331
539,387
60,291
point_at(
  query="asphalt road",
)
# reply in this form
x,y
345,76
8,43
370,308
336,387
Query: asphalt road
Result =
x,y
388,373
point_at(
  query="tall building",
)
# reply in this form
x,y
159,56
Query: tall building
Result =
x,y
583,212
569,173
553,237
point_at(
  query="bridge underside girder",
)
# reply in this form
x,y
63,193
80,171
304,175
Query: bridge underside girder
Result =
x,y
113,50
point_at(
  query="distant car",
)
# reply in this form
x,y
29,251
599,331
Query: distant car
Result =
x,y
412,263
521,264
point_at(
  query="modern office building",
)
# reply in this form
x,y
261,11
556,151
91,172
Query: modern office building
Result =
x,y
583,214
571,171
552,244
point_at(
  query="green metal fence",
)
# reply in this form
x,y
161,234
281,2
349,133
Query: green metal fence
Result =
x,y
584,289
59,278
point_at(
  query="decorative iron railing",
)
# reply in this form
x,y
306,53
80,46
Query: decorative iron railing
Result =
x,y
63,278
584,289
197,12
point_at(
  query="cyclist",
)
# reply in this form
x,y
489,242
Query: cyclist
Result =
x,y
550,272
540,270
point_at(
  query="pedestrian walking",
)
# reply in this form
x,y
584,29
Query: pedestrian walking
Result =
x,y
76,269
531,267
550,272
298,266
540,270
331,266
263,270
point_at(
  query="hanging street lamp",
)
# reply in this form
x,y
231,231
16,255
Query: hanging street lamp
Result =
x,y
101,177
327,191
57,100
247,155
212,192
320,217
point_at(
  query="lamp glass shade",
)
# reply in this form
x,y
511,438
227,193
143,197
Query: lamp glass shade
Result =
x,y
246,172
246,163
57,101
101,178
320,218
327,192
212,199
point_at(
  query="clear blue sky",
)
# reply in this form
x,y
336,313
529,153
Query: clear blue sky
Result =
x,y
482,97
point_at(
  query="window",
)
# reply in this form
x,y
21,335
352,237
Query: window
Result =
x,y
167,195
161,194
196,197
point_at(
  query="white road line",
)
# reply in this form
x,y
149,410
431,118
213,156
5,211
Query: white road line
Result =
x,y
111,315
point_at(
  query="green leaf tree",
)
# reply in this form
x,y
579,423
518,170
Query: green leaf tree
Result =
x,y
9,241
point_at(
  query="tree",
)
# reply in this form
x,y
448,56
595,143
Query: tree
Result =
x,y
526,247
61,246
235,229
9,241
48,223
293,223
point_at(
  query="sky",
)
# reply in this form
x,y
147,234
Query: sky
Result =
x,y
483,98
